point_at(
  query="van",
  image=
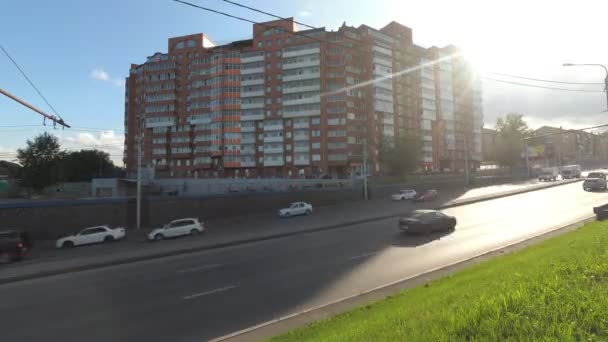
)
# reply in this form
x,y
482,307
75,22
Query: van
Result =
x,y
548,174
571,171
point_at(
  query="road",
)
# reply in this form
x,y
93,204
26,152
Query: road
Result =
x,y
202,295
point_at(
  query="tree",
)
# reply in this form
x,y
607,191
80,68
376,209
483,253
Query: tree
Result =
x,y
399,157
40,162
509,139
84,165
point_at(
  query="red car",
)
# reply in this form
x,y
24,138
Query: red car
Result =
x,y
426,196
12,245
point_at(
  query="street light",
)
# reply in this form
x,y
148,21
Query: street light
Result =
x,y
605,78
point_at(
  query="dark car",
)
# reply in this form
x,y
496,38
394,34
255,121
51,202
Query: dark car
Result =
x,y
426,222
601,175
12,245
426,196
591,184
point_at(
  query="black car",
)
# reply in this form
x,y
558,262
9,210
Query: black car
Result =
x,y
426,222
12,244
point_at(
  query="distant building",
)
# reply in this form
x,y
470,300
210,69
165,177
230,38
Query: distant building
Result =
x,y
558,146
488,145
283,104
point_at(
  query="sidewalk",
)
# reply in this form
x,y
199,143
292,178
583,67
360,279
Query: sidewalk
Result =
x,y
45,260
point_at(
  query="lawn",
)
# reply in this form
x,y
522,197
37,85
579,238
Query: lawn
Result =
x,y
556,290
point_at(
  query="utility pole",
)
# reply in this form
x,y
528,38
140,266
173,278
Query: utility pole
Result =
x,y
365,169
466,162
45,115
527,159
138,215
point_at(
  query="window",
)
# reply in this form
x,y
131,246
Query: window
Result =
x,y
268,54
316,157
268,89
268,43
278,77
268,65
316,133
316,121
279,43
279,88
288,146
288,134
316,145
278,53
269,100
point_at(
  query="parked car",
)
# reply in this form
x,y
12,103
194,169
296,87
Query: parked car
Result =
x,y
426,222
601,175
98,234
429,195
548,174
404,195
295,209
175,228
591,184
601,212
12,245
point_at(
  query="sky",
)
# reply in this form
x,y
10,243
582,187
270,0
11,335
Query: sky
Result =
x,y
78,54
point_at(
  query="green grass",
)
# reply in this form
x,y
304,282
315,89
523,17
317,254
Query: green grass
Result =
x,y
556,290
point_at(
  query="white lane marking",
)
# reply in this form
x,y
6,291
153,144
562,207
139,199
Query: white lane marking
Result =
x,y
206,293
198,268
362,256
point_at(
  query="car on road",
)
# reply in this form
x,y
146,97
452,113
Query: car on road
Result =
x,y
548,174
404,195
429,195
91,235
426,222
591,184
12,245
601,175
175,228
295,209
571,171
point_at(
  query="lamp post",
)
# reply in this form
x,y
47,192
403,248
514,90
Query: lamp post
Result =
x,y
598,65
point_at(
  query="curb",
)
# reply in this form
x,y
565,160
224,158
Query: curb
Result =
x,y
128,260
425,275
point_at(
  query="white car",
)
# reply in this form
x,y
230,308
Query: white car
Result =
x,y
296,208
175,228
91,235
404,195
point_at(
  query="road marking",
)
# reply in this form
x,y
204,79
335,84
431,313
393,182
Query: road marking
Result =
x,y
206,293
365,255
198,268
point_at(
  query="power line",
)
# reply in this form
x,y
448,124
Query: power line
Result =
x,y
30,81
541,80
267,13
543,87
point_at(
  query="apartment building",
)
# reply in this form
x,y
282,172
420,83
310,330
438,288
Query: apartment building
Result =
x,y
290,103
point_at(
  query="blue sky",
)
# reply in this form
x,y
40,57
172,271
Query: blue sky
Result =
x,y
78,52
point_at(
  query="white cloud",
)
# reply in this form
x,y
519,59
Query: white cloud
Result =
x,y
107,141
99,74
304,13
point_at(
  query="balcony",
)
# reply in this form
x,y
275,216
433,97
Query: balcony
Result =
x,y
252,105
248,152
251,117
257,81
250,163
302,52
306,100
301,89
278,127
302,113
301,148
303,76
247,129
301,125
273,139
250,59
199,121
164,123
247,140
252,71
270,162
270,150
301,138
301,162
302,64
256,93
384,97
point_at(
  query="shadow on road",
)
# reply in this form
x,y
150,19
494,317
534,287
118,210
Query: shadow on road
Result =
x,y
411,240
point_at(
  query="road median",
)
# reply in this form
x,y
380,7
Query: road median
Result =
x,y
144,252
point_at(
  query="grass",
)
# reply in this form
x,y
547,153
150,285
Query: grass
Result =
x,y
556,290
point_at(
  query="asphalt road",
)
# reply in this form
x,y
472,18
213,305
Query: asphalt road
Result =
x,y
199,296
